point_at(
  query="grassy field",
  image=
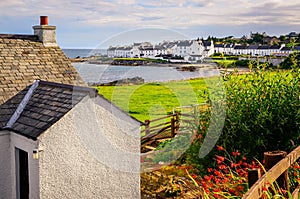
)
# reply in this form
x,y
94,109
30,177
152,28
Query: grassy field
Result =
x,y
154,100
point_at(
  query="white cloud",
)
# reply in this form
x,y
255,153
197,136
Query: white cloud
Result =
x,y
164,13
130,14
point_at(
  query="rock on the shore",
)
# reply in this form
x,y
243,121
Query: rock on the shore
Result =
x,y
126,81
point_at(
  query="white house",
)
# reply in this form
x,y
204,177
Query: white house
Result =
x,y
57,139
258,50
208,48
135,51
219,48
160,50
69,143
182,48
111,51
239,49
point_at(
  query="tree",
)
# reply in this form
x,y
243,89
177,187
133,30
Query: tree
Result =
x,y
282,38
258,38
292,61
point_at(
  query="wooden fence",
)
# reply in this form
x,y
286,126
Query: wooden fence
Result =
x,y
276,172
184,120
167,125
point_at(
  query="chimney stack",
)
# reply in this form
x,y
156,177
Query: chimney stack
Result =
x,y
45,33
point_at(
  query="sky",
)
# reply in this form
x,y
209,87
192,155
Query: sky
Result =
x,y
101,23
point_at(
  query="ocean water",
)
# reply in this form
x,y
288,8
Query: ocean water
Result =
x,y
96,73
73,53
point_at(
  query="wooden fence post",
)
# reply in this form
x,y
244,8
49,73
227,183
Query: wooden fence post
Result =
x,y
172,127
253,176
177,121
272,158
147,126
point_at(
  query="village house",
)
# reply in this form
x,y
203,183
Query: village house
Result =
x,y
219,48
260,50
59,138
208,48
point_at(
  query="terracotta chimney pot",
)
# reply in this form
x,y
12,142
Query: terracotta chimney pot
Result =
x,y
44,20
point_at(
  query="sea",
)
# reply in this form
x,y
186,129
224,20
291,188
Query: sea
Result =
x,y
80,53
104,73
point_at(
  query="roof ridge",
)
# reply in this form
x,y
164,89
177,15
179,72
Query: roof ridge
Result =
x,y
22,105
18,36
92,92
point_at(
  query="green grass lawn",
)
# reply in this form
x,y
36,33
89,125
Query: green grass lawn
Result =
x,y
154,100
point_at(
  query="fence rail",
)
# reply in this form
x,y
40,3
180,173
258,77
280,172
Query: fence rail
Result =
x,y
183,119
272,175
157,126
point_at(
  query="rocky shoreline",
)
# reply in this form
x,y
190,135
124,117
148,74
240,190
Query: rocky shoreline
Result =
x,y
126,81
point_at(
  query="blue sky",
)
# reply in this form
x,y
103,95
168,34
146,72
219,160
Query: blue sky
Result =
x,y
94,23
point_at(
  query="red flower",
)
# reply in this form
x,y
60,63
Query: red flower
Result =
x,y
240,188
222,167
194,176
236,153
217,173
220,148
209,170
221,158
207,178
231,190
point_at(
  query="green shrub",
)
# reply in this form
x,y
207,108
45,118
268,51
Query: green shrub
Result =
x,y
292,61
262,112
242,63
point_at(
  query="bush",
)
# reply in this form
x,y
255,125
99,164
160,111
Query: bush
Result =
x,y
262,112
292,61
242,63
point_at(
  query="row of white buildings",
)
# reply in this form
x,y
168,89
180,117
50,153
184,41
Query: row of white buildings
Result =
x,y
196,50
254,50
187,49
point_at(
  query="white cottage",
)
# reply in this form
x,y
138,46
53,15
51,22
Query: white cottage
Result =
x,y
57,139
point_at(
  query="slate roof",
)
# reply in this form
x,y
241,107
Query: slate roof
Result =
x,y
23,59
159,48
185,43
219,45
240,47
47,103
286,49
275,47
263,47
228,45
111,48
206,43
252,47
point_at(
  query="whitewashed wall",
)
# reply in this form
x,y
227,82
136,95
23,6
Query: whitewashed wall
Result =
x,y
9,141
5,165
90,154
